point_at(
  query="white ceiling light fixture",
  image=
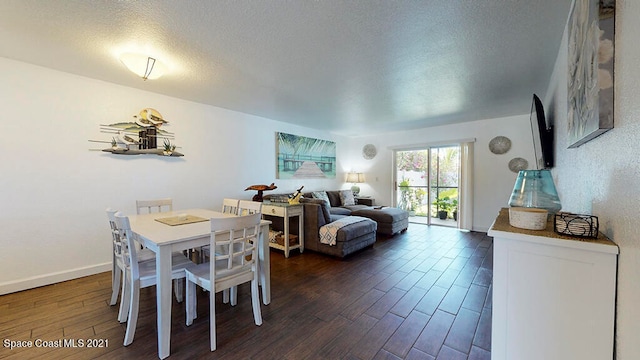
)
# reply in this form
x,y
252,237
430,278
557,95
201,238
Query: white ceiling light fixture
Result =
x,y
143,65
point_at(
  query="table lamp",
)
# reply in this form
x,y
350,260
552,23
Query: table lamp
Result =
x,y
355,178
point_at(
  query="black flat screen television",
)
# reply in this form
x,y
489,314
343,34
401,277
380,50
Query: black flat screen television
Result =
x,y
542,135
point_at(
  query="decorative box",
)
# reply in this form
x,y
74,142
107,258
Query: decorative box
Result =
x,y
576,225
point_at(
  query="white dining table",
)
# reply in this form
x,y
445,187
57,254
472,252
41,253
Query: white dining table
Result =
x,y
164,239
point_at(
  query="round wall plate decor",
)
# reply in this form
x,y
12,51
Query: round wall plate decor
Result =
x,y
369,151
500,145
518,164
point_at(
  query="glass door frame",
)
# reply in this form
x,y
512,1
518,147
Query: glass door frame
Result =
x,y
396,197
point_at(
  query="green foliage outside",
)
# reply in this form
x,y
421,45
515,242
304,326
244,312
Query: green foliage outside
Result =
x,y
413,169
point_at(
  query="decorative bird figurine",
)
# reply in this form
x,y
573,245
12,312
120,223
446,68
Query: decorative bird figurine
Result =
x,y
260,189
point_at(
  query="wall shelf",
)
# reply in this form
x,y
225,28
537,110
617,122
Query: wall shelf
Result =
x,y
122,151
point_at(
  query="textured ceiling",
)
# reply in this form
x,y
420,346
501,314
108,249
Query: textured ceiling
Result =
x,y
349,67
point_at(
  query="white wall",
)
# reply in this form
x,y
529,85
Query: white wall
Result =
x,y
602,177
54,191
493,181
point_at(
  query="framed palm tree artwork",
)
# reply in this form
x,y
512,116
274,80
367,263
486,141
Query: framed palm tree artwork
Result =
x,y
300,157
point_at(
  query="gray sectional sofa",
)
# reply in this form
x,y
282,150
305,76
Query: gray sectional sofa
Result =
x,y
350,238
390,220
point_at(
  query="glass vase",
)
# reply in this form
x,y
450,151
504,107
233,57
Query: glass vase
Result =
x,y
535,189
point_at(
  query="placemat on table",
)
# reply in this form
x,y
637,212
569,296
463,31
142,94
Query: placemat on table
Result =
x,y
181,220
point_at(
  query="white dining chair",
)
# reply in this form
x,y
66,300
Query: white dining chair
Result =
x,y
156,205
141,274
118,267
235,262
230,206
246,207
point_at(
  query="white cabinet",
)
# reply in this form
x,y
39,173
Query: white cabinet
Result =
x,y
553,295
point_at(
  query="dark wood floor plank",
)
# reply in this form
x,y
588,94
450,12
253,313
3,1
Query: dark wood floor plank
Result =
x,y
453,300
350,336
483,277
385,355
393,279
408,302
385,303
447,353
318,339
447,278
482,337
416,354
462,331
358,307
429,279
403,339
373,341
410,280
479,354
467,274
432,337
429,303
475,298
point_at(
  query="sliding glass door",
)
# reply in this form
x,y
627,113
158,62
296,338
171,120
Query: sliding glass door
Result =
x,y
427,184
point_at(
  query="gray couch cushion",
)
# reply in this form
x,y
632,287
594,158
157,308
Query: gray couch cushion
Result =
x,y
357,229
385,214
357,207
323,205
390,220
339,211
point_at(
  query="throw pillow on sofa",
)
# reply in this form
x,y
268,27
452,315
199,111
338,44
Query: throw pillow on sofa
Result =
x,y
346,198
322,195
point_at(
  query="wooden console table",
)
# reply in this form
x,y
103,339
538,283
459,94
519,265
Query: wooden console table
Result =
x,y
286,211
365,200
553,295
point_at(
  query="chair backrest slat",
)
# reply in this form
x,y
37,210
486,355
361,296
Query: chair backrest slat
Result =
x,y
246,207
157,205
235,241
115,234
129,252
230,206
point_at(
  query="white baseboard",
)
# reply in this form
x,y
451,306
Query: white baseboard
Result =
x,y
48,279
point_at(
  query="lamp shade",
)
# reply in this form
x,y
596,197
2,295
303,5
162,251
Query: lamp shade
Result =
x,y
142,65
355,178
535,189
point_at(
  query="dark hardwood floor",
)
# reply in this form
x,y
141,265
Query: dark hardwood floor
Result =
x,y
423,294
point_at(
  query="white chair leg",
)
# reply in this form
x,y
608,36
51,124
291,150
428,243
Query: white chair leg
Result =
x,y
125,299
178,286
212,316
191,303
133,313
225,296
255,302
115,283
234,295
